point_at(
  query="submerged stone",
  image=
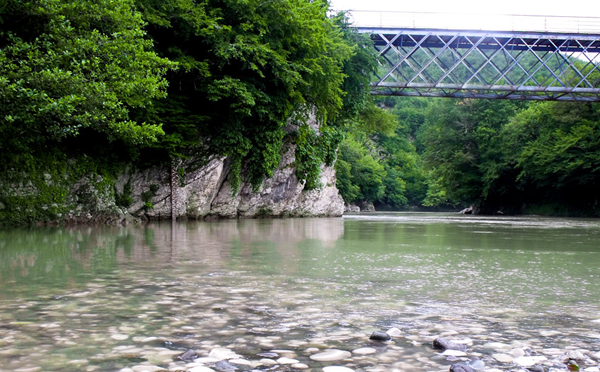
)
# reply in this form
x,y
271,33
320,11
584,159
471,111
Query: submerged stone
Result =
x,y
364,351
380,336
445,344
337,369
331,355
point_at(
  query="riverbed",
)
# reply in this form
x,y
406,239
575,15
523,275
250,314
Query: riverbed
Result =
x,y
273,295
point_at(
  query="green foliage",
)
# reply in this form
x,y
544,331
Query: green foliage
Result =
x,y
245,67
70,65
360,176
124,199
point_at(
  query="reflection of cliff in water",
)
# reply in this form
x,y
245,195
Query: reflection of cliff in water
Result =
x,y
59,257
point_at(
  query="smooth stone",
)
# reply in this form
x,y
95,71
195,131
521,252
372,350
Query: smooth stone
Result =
x,y
304,366
445,344
225,366
456,353
476,364
201,369
287,361
503,358
380,336
119,337
126,370
268,355
592,369
241,362
517,353
364,351
497,346
268,362
223,353
188,355
529,361
331,355
142,368
459,367
206,360
337,369
313,350
394,332
549,333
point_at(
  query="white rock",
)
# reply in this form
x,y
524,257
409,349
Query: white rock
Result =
x,y
394,332
337,369
241,362
268,362
223,353
287,361
549,333
331,355
364,351
456,353
517,352
528,361
119,337
299,366
592,369
142,368
497,346
201,369
503,358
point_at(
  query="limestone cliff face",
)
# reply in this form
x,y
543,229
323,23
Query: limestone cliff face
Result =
x,y
205,193
200,191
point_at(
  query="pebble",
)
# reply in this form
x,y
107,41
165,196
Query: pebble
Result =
x,y
268,362
142,368
503,358
337,369
304,366
364,351
456,353
201,369
287,361
119,337
517,353
331,355
528,361
394,332
223,353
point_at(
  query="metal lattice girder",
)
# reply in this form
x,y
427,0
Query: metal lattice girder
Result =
x,y
487,64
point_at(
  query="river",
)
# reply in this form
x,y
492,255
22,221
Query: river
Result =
x,y
516,291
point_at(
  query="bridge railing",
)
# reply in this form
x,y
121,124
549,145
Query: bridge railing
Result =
x,y
452,21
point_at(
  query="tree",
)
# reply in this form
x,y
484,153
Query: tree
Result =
x,y
464,150
73,66
247,70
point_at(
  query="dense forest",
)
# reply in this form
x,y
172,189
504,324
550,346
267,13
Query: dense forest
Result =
x,y
114,83
499,156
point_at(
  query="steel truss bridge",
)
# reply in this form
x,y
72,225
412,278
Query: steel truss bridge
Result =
x,y
525,65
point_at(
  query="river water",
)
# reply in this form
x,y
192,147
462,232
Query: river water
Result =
x,y
515,291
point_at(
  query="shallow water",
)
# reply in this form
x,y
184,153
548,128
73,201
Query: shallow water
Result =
x,y
110,299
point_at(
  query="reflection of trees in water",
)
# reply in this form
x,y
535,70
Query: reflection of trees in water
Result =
x,y
56,256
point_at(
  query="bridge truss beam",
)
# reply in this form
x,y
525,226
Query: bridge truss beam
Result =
x,y
486,64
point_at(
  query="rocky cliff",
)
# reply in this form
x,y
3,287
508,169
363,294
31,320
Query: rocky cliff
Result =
x,y
187,190
206,193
